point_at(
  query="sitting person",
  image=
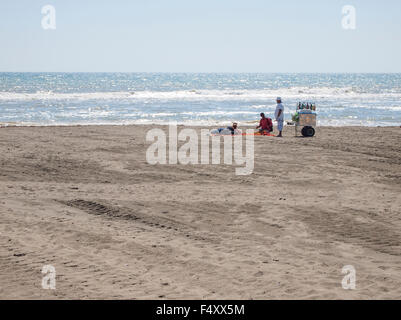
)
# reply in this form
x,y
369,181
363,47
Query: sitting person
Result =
x,y
265,125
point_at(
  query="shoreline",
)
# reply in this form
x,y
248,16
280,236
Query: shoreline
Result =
x,y
3,125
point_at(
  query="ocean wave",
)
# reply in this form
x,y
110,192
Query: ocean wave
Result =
x,y
199,123
297,93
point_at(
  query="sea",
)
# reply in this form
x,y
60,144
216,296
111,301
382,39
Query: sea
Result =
x,y
205,99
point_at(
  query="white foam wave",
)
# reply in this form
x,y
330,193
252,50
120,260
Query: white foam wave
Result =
x,y
297,93
197,123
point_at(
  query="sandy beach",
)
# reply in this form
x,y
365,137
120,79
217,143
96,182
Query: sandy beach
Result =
x,y
84,200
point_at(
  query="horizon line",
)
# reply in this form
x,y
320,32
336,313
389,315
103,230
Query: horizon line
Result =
x,y
205,72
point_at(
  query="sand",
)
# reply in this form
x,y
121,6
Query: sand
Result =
x,y
84,200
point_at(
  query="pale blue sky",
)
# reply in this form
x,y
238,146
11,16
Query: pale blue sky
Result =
x,y
201,36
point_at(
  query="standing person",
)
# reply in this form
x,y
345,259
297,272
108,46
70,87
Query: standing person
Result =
x,y
265,124
279,114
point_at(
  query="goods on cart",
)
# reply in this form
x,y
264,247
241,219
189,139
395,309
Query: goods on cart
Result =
x,y
305,117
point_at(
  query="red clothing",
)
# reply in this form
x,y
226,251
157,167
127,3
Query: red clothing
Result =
x,y
266,124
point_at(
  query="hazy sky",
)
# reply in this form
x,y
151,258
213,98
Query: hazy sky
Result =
x,y
201,36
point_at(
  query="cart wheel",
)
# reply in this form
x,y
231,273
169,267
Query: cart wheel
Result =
x,y
308,131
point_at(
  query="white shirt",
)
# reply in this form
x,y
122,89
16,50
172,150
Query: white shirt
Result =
x,y
278,108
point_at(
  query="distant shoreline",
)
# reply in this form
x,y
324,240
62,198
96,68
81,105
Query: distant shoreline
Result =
x,y
3,126
197,72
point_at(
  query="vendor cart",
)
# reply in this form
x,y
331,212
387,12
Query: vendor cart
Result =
x,y
306,123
